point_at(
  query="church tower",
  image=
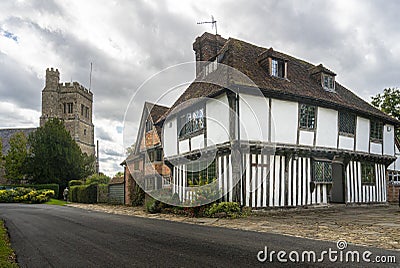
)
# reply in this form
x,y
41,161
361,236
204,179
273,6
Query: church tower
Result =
x,y
72,103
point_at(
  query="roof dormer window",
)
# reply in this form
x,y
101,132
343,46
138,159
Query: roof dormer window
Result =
x,y
328,82
278,68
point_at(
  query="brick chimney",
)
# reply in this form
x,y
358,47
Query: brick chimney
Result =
x,y
206,47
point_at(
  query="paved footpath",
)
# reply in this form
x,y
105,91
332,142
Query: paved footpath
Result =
x,y
377,226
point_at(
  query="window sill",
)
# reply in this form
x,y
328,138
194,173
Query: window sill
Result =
x,y
322,182
367,183
307,129
376,141
191,135
350,135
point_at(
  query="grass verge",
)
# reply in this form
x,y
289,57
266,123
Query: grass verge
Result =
x,y
56,202
7,256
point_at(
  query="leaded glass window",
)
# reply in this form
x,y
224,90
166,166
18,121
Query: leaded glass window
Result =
x,y
278,68
347,123
329,82
307,116
191,122
201,172
367,173
322,171
376,130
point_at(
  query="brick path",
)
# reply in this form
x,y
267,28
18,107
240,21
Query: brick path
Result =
x,y
377,226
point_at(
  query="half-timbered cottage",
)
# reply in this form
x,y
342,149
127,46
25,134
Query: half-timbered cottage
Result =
x,y
145,165
328,145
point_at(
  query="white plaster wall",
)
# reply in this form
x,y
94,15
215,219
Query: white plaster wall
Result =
x,y
197,142
346,143
362,134
184,146
388,140
170,138
396,164
306,138
376,148
327,128
254,113
217,120
284,116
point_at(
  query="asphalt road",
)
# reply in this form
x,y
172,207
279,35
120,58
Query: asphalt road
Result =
x,y
54,236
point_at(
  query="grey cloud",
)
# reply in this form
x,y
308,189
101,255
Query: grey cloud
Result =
x,y
102,134
161,38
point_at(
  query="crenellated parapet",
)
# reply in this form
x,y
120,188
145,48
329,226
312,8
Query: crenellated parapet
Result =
x,y
71,102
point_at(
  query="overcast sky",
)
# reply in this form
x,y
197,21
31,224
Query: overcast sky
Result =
x,y
129,41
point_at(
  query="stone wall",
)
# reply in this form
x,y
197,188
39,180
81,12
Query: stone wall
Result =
x,y
56,100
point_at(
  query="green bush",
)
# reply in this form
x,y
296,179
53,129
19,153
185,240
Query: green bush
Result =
x,y
153,206
137,195
83,193
102,193
97,179
51,186
230,209
75,182
25,195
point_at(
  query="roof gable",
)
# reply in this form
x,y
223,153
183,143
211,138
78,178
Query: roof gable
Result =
x,y
153,112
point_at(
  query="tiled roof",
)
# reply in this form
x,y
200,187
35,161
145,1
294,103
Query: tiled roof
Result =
x,y
299,85
156,112
7,133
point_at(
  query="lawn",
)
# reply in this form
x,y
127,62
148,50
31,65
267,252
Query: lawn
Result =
x,y
56,202
7,256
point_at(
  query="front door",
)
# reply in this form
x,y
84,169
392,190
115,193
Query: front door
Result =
x,y
337,191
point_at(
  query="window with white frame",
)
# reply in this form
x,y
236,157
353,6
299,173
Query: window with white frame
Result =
x,y
394,177
278,68
166,181
329,82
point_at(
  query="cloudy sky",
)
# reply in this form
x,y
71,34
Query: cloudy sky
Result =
x,y
129,41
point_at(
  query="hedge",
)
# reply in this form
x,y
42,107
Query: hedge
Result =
x,y
50,186
102,193
83,194
75,183
25,195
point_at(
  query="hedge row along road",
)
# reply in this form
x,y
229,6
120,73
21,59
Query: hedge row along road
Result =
x,y
56,236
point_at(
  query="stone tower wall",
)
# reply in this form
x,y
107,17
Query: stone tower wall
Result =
x,y
50,96
72,103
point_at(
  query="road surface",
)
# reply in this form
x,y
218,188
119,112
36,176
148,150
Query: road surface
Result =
x,y
55,236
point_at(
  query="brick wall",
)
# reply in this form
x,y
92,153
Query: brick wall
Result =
x,y
393,193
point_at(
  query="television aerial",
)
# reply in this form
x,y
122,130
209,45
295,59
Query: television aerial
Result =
x,y
213,23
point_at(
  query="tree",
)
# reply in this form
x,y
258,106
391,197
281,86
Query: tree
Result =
x,y
98,179
16,157
1,159
55,157
130,150
389,102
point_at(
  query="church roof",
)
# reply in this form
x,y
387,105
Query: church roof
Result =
x,y
7,133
